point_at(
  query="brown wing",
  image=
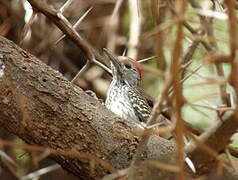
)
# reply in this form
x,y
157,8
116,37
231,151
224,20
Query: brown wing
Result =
x,y
140,105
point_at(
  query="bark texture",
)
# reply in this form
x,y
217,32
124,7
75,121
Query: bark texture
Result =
x,y
41,107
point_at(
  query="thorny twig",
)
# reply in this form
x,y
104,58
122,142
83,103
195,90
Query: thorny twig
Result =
x,y
76,24
208,48
215,131
64,25
207,24
192,30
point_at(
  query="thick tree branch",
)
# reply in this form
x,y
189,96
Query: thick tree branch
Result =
x,y
43,108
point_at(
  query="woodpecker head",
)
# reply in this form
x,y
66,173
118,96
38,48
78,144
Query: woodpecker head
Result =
x,y
125,70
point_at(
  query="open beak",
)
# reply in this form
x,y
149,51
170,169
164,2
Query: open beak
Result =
x,y
116,65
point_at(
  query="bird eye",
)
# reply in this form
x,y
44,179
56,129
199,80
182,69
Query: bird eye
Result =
x,y
128,66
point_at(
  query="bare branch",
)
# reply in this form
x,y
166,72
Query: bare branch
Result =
x,y
207,24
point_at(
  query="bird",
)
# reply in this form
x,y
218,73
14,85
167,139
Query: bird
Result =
x,y
124,96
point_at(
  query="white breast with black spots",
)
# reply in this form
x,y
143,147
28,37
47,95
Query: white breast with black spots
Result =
x,y
119,103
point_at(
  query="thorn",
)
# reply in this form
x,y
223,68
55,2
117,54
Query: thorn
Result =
x,y
124,52
66,5
82,17
61,17
184,66
27,26
192,73
108,70
75,25
146,59
209,104
116,8
4,156
190,164
62,37
212,14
